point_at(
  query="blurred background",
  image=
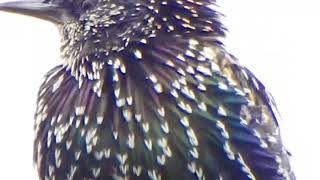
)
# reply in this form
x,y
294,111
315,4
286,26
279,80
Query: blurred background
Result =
x,y
277,39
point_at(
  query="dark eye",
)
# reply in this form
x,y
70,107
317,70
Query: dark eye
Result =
x,y
88,4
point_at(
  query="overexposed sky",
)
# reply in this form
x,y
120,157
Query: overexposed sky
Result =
x,y
277,39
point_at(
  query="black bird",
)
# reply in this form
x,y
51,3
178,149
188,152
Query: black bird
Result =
x,y
148,91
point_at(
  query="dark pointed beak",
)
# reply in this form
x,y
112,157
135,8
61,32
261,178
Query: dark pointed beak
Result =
x,y
38,9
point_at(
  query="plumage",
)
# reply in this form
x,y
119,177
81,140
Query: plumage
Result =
x,y
148,91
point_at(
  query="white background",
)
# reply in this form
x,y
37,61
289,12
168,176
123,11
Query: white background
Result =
x,y
277,39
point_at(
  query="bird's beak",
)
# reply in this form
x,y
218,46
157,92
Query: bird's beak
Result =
x,y
38,9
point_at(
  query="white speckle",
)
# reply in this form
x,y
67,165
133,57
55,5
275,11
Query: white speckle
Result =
x,y
256,133
122,158
137,170
138,54
96,172
278,159
245,168
184,106
188,92
263,144
144,41
162,142
117,92
99,119
89,148
181,57
202,87
57,153
145,127
190,53
117,63
215,67
158,88
77,123
129,100
181,71
127,114
71,119
153,78
57,84
165,127
170,63
86,120
98,155
194,153
80,110
110,62
68,144
174,93
256,84
204,70
239,92
246,90
184,121
107,153
243,122
167,151
49,136
229,152
124,169
51,170
123,69
272,139
245,74
153,175
171,28
183,80
192,137
201,58
115,135
222,111
192,167
138,117
224,132
77,155
176,84
193,42
72,172
161,159
190,70
130,141
199,173
161,111
148,144
208,52
115,77
199,77
202,106
120,102
222,86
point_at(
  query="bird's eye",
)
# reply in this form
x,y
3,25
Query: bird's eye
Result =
x,y
88,4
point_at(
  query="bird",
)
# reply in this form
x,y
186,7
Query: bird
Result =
x,y
147,90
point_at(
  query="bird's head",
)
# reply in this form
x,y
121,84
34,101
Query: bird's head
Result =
x,y
94,29
103,24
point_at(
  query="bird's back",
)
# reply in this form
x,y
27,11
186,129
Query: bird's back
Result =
x,y
181,107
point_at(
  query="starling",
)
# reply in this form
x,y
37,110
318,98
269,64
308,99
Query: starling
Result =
x,y
147,90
